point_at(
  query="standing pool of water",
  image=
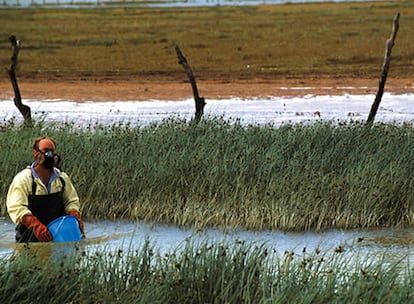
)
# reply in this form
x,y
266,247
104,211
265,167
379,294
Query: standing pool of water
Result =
x,y
127,235
271,110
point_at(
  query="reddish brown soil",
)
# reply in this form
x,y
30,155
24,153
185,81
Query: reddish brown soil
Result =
x,y
166,88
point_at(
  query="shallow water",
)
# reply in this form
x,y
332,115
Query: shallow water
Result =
x,y
272,110
128,235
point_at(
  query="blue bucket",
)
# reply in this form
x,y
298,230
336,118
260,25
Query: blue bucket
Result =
x,y
65,229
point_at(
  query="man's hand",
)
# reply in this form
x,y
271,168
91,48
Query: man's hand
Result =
x,y
39,230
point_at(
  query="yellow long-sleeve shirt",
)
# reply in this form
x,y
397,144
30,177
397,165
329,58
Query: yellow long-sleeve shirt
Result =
x,y
17,200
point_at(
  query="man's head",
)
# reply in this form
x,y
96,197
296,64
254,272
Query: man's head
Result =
x,y
41,144
44,152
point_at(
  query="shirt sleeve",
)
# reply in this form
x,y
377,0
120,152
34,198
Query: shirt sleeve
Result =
x,y
70,196
17,196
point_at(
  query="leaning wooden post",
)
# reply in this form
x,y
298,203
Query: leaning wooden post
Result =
x,y
199,101
24,110
388,48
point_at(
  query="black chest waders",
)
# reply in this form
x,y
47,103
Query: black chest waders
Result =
x,y
45,207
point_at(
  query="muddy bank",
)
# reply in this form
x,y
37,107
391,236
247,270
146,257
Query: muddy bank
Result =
x,y
168,87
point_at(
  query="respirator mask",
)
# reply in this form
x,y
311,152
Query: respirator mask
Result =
x,y
49,159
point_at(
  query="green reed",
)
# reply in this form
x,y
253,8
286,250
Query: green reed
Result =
x,y
203,273
220,173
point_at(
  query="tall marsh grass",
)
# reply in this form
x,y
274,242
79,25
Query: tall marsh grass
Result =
x,y
204,273
220,173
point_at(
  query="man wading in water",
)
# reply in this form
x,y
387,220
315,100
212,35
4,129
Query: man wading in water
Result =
x,y
41,193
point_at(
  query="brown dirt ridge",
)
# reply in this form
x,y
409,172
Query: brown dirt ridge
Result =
x,y
168,88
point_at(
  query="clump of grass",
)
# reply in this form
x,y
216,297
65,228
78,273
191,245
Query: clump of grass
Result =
x,y
203,273
219,173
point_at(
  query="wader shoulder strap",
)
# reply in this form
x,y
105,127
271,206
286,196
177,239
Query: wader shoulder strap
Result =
x,y
34,186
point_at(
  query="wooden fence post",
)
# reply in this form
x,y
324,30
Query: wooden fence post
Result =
x,y
24,109
199,101
388,48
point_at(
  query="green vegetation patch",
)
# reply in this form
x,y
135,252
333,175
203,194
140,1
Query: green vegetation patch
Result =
x,y
220,173
203,273
293,39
